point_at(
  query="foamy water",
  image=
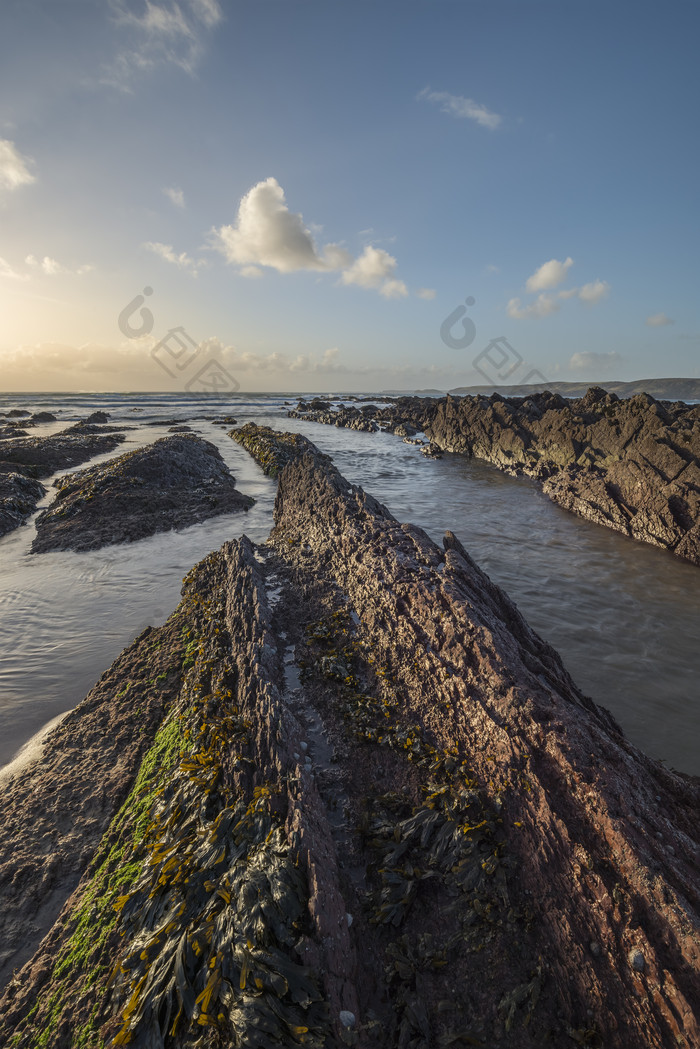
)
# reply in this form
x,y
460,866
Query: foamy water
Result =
x,y
624,616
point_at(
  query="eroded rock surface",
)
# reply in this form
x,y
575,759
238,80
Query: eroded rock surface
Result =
x,y
631,465
378,812
175,482
24,459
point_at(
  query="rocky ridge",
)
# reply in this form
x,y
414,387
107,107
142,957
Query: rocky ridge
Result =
x,y
376,811
173,483
631,465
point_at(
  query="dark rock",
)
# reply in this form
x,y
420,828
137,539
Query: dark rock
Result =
x,y
483,821
632,465
18,498
174,483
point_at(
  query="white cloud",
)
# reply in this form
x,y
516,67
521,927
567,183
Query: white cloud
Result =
x,y
426,293
549,275
462,108
543,306
52,267
166,252
166,33
176,196
6,270
658,320
267,233
14,172
599,361
375,269
491,268
251,272
593,293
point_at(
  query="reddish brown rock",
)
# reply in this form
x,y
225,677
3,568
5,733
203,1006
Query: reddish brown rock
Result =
x,y
393,821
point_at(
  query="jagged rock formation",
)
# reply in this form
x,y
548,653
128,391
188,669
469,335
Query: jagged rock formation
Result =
x,y
378,812
23,460
175,482
409,413
631,465
271,449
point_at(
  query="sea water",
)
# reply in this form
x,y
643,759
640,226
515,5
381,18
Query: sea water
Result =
x,y
624,616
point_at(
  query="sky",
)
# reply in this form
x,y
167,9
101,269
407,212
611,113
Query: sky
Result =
x,y
354,195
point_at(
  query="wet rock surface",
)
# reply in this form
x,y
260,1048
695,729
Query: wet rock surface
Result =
x,y
631,465
377,812
24,459
173,483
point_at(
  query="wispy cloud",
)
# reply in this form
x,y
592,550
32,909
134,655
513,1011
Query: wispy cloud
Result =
x,y
267,234
658,320
599,362
8,271
175,196
167,252
426,293
52,267
543,306
592,293
14,169
462,108
165,33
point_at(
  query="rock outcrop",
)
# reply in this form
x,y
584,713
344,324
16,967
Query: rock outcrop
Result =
x,y
377,812
173,483
631,465
24,459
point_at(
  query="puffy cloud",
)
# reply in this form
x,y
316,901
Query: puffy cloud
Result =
x,y
176,196
462,108
267,233
598,362
426,293
166,252
593,292
549,275
543,306
658,320
14,172
375,269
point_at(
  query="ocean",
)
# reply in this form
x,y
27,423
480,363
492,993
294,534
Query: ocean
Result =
x,y
624,616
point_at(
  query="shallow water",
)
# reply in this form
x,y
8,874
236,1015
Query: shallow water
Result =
x,y
624,616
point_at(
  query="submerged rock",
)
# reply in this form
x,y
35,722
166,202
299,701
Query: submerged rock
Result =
x,y
352,721
174,483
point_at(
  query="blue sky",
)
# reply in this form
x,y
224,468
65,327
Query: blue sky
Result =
x,y
310,189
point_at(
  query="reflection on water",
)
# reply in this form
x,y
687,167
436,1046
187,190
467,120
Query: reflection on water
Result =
x,y
624,616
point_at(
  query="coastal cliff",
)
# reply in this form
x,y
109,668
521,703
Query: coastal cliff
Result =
x,y
630,465
359,802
